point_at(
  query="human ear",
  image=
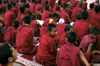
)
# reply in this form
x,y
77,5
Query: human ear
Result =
x,y
10,59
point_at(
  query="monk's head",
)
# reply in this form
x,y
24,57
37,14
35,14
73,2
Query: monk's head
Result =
x,y
97,8
91,6
10,7
71,37
94,32
58,8
97,1
66,7
33,17
59,2
14,4
52,30
68,28
1,10
26,20
22,10
84,15
27,5
0,1
39,1
15,23
80,3
67,22
78,16
39,9
7,54
55,17
47,7
46,2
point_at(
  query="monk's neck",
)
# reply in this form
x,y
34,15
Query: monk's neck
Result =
x,y
10,64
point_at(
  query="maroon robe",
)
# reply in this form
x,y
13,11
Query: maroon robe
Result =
x,y
84,6
38,15
28,11
74,3
32,7
64,1
64,15
37,6
45,15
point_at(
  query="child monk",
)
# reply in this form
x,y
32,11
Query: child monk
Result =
x,y
84,6
69,54
39,13
35,25
47,50
7,55
27,7
15,8
58,10
10,34
9,17
32,6
24,38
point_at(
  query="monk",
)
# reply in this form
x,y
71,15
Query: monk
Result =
x,y
38,13
29,12
84,6
76,10
81,27
47,50
9,17
35,25
94,20
46,13
96,3
32,6
1,5
24,38
62,40
75,3
54,20
58,10
64,1
10,34
69,54
51,2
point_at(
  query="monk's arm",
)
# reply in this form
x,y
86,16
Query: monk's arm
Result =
x,y
90,26
1,28
83,58
54,47
68,17
89,49
32,45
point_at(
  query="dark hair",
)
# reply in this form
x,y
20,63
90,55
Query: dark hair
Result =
x,y
97,1
46,2
0,1
57,8
67,28
78,16
80,3
15,23
50,26
65,6
9,6
33,1
84,15
39,1
97,8
55,15
39,8
5,53
59,2
27,5
32,17
24,5
21,0
4,2
92,5
22,9
14,4
67,22
1,10
26,19
71,36
95,31
47,7
17,0
24,1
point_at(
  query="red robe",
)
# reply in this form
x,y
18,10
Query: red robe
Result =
x,y
37,6
68,56
84,6
64,15
43,2
54,9
10,36
95,20
45,15
45,24
32,7
45,52
15,11
28,11
81,28
98,43
38,15
23,40
58,12
74,3
51,2
64,1
1,6
85,42
9,17
34,25
75,11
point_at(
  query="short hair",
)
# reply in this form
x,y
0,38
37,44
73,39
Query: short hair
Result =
x,y
22,9
33,1
32,17
5,53
26,19
57,8
47,7
80,3
0,1
9,6
84,15
4,2
39,1
15,23
97,1
14,4
67,28
65,6
67,22
1,10
78,16
71,36
21,0
24,5
55,15
24,1
39,8
46,2
27,5
91,5
59,2
95,31
97,8
50,27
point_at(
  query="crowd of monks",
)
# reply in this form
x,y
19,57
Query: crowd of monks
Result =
x,y
19,26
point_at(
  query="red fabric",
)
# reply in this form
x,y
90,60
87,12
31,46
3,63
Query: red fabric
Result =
x,y
29,57
64,15
15,11
98,43
58,12
74,3
45,15
35,27
75,11
32,7
85,42
45,52
54,9
28,11
51,2
23,40
10,36
1,6
64,1
81,28
68,56
37,6
43,2
84,6
38,15
95,20
9,17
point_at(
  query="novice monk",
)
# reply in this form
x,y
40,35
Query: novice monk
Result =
x,y
10,34
84,6
24,38
69,54
58,10
47,49
32,6
62,40
29,12
38,13
35,25
7,55
9,16
15,8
